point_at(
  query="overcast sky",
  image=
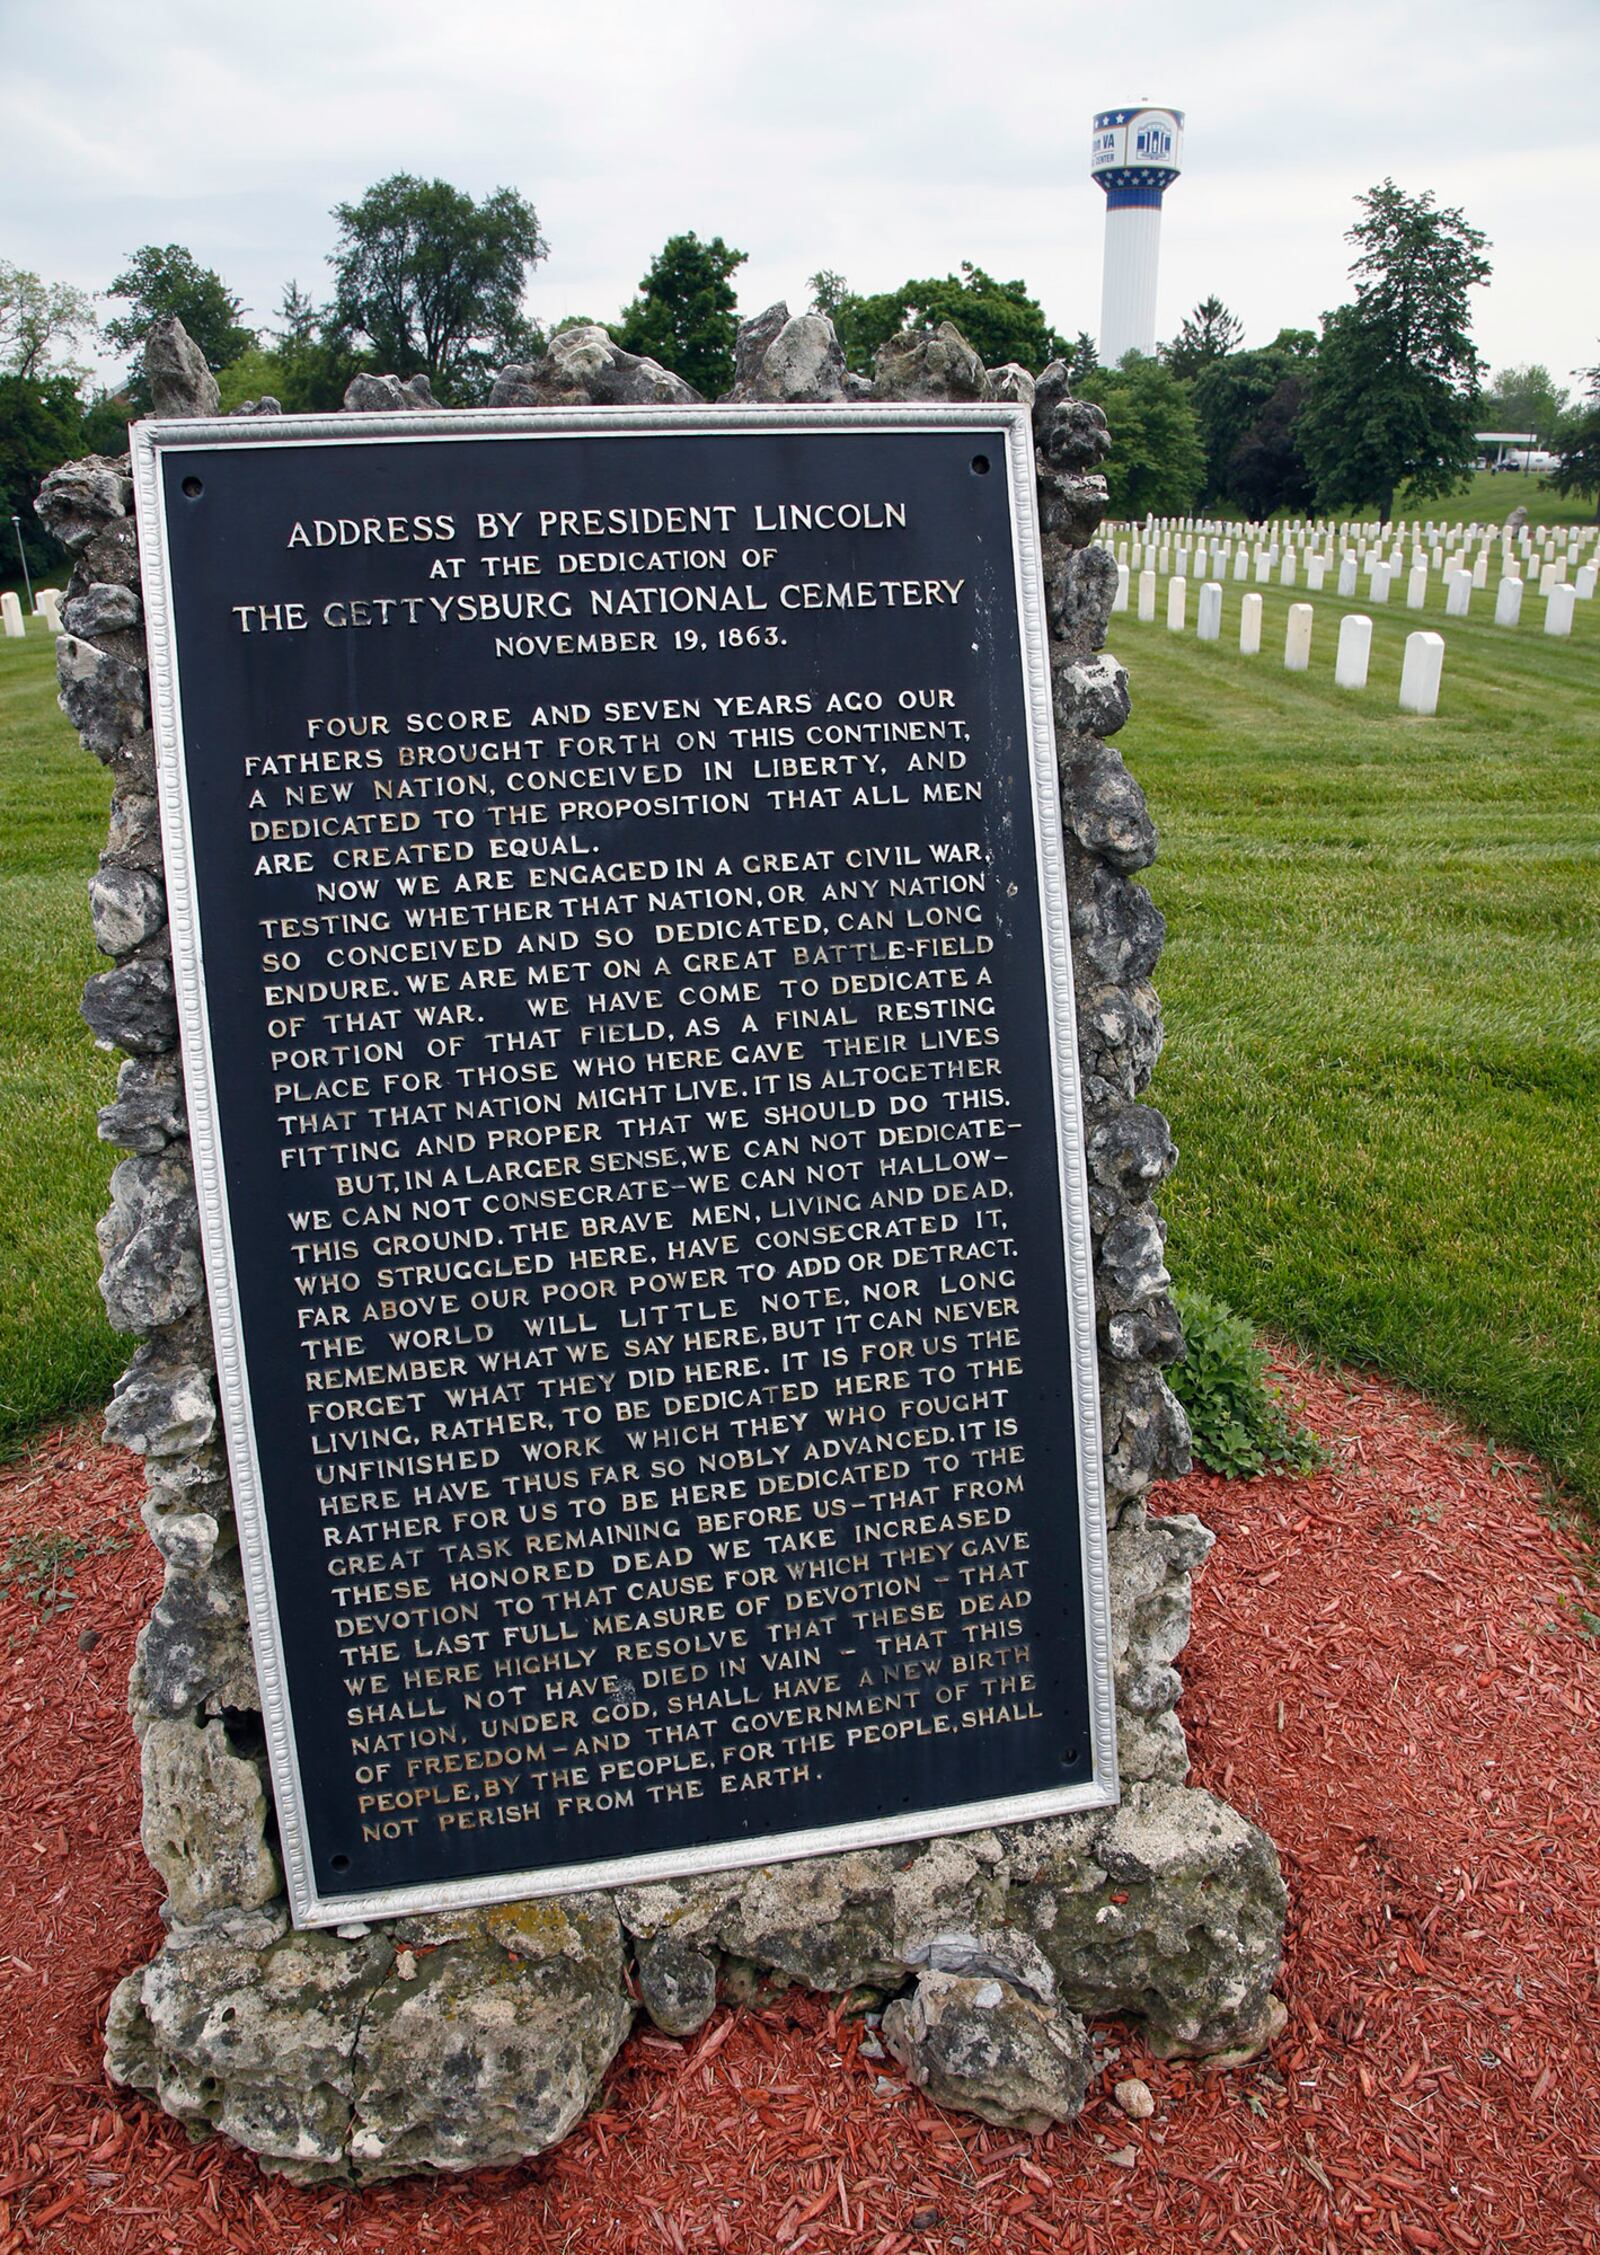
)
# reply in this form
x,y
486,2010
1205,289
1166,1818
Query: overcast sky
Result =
x,y
881,138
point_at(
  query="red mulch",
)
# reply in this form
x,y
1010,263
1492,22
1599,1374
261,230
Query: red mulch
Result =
x,y
1390,1670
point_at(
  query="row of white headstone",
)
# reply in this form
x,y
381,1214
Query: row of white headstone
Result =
x,y
1304,533
1560,599
46,606
1460,578
1420,674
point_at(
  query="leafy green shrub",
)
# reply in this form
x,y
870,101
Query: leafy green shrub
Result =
x,y
1240,1423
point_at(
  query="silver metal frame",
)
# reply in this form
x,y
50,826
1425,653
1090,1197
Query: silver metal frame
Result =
x,y
150,440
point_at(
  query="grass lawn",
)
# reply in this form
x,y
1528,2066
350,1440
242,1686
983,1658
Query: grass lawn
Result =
x,y
1382,993
1382,989
56,1350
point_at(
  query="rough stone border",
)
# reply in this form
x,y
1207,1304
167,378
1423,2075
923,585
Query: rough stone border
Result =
x,y
475,2039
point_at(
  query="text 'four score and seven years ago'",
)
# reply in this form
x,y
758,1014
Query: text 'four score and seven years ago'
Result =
x,y
649,1148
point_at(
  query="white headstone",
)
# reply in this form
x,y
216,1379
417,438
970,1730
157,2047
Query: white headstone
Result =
x,y
1379,590
1316,566
1147,594
1119,601
1583,585
11,615
1419,676
1297,641
1547,578
1288,572
1355,649
1250,627
1209,625
1558,608
1508,603
1458,595
1347,576
1417,588
1177,603
48,607
1480,568
1241,562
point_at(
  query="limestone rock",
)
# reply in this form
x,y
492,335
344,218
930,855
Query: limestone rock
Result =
x,y
132,1007
250,2028
387,395
1090,695
1080,583
677,1984
104,607
1012,382
134,838
265,405
150,1243
1117,929
127,906
149,1111
111,557
1102,805
205,1820
1119,1036
175,369
975,2042
1151,1561
1071,506
162,1405
1070,433
750,347
80,499
922,364
800,363
1144,1432
105,698
497,2044
194,1651
585,364
1129,1148
1192,1946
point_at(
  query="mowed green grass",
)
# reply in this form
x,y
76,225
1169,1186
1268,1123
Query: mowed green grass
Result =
x,y
56,1349
1382,995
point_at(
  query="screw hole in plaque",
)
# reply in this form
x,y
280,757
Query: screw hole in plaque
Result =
x,y
980,466
340,1863
194,487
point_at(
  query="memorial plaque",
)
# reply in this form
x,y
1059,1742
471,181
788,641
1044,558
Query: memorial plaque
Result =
x,y
618,917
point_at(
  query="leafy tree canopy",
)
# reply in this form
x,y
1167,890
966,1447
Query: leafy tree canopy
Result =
x,y
1231,396
434,281
1394,397
1578,443
1157,461
1209,333
169,280
998,319
40,425
686,315
1524,399
37,317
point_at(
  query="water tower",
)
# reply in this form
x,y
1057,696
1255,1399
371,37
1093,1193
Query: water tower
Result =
x,y
1136,156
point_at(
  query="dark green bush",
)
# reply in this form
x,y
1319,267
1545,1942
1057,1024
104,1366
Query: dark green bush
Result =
x,y
1240,1423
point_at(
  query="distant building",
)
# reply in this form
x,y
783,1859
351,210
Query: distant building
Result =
x,y
1136,155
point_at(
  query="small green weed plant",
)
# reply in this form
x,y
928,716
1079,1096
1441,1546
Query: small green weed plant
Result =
x,y
1240,1422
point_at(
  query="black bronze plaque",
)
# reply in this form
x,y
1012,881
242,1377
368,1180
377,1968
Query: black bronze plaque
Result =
x,y
617,911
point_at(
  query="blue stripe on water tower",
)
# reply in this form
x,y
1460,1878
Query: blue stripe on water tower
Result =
x,y
1128,196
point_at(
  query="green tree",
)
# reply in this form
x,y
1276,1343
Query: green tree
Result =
x,y
169,280
998,319
685,314
1266,471
40,425
1524,399
1209,333
1578,443
1393,399
1232,395
434,281
1082,357
36,318
1156,462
